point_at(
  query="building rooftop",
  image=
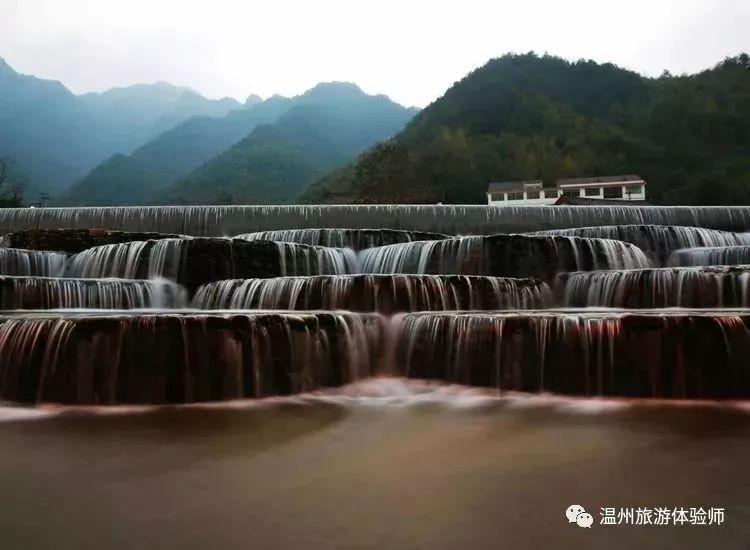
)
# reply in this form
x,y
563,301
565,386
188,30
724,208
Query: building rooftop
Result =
x,y
587,201
599,179
505,186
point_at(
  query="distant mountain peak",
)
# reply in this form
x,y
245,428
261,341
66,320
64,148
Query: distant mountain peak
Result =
x,y
334,91
5,68
252,99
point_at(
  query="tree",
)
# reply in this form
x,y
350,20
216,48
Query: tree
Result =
x,y
11,187
3,171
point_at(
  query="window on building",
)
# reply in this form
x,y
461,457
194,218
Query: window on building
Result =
x,y
571,193
498,196
550,194
532,194
633,190
515,196
613,192
593,192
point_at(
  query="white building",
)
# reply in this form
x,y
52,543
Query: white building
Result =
x,y
518,193
515,193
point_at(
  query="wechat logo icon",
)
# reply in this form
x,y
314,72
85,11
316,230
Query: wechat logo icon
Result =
x,y
578,515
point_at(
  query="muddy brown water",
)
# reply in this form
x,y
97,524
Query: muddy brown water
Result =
x,y
451,472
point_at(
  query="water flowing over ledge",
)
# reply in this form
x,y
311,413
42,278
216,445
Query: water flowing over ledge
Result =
x,y
718,255
688,287
73,241
356,239
138,358
14,261
154,358
657,241
196,261
503,256
54,293
384,294
217,221
645,354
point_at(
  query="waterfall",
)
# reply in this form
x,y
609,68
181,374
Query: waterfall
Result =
x,y
449,256
545,256
718,255
53,293
111,260
449,219
385,294
165,258
657,288
140,358
15,261
660,354
356,239
316,260
503,256
657,241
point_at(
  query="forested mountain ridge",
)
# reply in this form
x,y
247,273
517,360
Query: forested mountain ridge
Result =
x,y
55,137
325,127
161,170
526,117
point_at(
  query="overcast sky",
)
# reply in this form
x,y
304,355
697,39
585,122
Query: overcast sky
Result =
x,y
410,50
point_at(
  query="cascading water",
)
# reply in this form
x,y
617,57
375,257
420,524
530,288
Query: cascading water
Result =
x,y
307,260
503,256
149,358
449,256
384,294
14,261
111,260
656,354
495,286
218,221
356,239
689,287
719,255
54,293
165,258
657,241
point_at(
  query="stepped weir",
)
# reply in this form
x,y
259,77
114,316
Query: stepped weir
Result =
x,y
163,305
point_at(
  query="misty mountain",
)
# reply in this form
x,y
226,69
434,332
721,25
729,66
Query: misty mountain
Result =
x,y
55,137
339,113
325,127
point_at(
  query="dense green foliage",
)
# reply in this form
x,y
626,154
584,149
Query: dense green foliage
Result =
x,y
327,126
527,117
56,137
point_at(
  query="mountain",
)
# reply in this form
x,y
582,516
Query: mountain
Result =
x,y
169,156
523,117
56,137
326,126
169,168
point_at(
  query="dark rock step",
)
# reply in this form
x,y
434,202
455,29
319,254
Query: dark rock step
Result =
x,y
74,240
668,354
188,357
52,293
382,293
692,287
356,239
657,241
170,358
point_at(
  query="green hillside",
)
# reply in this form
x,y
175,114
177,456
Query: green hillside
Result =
x,y
327,126
526,117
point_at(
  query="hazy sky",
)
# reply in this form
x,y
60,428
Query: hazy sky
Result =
x,y
412,51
